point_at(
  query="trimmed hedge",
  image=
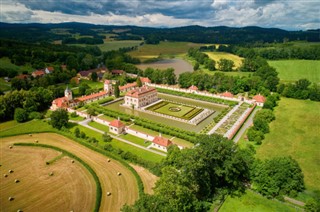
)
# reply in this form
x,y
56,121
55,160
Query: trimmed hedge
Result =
x,y
96,178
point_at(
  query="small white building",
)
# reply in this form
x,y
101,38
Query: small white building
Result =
x,y
140,97
260,100
161,143
116,127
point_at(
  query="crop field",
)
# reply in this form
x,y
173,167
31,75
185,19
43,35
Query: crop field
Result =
x,y
164,48
124,188
293,70
216,56
175,110
295,133
149,180
36,189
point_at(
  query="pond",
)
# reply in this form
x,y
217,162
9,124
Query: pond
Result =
x,y
179,65
170,122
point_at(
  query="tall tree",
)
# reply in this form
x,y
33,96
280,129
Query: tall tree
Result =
x,y
59,118
138,81
116,90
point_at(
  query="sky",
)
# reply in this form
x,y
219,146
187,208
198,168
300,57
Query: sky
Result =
x,y
284,14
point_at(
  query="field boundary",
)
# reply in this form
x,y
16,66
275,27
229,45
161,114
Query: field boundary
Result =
x,y
93,173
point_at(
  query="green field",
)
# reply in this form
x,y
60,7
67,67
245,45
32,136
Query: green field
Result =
x,y
110,45
175,110
99,126
252,202
4,86
164,48
293,70
5,63
216,56
92,84
296,133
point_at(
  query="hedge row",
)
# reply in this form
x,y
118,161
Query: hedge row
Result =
x,y
198,97
158,127
95,176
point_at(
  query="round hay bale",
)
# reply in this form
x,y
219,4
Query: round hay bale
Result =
x,y
109,160
10,198
16,180
5,175
72,161
51,174
108,193
10,147
10,171
19,210
30,135
118,173
36,141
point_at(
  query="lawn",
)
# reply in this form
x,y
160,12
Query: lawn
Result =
x,y
115,45
136,140
99,126
175,110
295,133
251,201
92,84
293,70
164,48
78,118
5,63
4,86
216,56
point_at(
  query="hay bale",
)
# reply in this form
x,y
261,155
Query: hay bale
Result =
x,y
10,147
118,173
10,171
109,160
19,210
5,175
36,141
108,193
72,161
16,180
30,135
51,174
10,198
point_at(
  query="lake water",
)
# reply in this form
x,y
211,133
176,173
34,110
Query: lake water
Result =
x,y
169,122
179,65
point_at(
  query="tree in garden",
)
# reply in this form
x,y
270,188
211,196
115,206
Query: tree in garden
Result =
x,y
225,65
77,132
278,176
260,124
94,76
106,137
138,81
116,90
59,118
20,115
83,87
196,66
91,111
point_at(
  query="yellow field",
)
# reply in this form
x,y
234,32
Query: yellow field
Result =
x,y
216,56
37,191
149,180
124,188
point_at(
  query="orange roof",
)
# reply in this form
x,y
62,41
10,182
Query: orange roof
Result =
x,y
129,85
140,91
193,87
162,141
38,73
22,76
50,68
60,102
92,96
259,98
227,94
145,80
116,123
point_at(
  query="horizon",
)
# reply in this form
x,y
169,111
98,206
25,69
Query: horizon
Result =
x,y
294,15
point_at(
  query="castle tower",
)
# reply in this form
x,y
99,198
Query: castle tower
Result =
x,y
68,94
108,87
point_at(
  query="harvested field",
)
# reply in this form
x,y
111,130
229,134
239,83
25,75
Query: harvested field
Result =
x,y
149,180
124,188
36,189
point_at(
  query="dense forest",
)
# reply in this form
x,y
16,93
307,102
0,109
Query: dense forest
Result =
x,y
196,34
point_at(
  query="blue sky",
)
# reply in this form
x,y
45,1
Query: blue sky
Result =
x,y
285,14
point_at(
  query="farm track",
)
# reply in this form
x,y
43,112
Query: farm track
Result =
x,y
124,188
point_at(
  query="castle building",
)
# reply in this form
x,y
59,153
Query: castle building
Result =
x,y
140,97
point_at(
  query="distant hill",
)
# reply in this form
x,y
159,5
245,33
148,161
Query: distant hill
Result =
x,y
35,32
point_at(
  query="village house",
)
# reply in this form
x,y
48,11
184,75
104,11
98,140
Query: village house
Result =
x,y
227,94
193,88
116,127
38,73
161,143
140,97
49,70
128,87
260,100
117,72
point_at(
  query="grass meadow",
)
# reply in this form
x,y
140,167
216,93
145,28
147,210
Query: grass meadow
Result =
x,y
295,133
251,202
5,63
216,56
293,70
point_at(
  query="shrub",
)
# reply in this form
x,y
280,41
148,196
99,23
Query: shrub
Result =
x,y
74,115
59,118
35,115
20,115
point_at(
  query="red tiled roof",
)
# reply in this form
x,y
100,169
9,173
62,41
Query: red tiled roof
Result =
x,y
227,94
92,96
129,85
162,141
107,82
140,91
60,102
259,98
38,73
22,76
116,123
193,87
84,73
145,80
50,68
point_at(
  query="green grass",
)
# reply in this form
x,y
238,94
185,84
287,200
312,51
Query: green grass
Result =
x,y
78,118
216,56
107,118
182,111
115,45
147,131
99,126
251,201
4,86
5,63
182,142
135,140
295,133
164,48
92,84
293,70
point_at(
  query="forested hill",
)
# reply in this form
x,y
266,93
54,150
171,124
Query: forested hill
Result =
x,y
198,34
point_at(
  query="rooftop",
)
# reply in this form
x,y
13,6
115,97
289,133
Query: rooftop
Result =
x,y
116,123
193,87
140,91
162,141
259,98
92,96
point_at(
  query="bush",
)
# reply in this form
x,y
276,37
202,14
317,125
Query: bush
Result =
x,y
59,118
73,115
35,115
20,115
